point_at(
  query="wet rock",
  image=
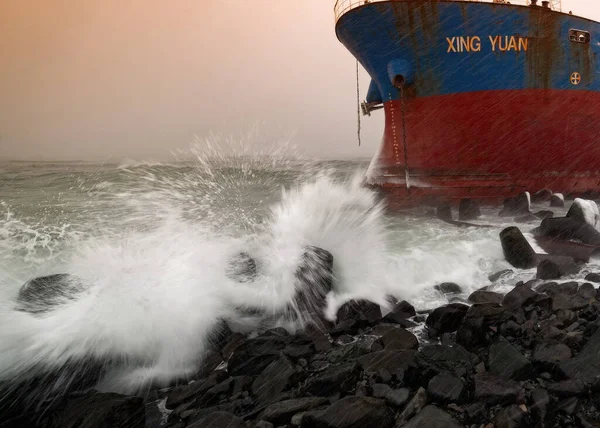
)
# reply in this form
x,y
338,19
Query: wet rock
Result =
x,y
543,195
567,388
335,379
96,410
432,417
521,295
557,200
584,211
219,420
399,339
548,354
273,380
554,288
584,366
566,302
264,424
395,362
506,361
281,413
444,212
446,319
479,322
414,406
481,296
358,314
566,228
351,412
314,279
254,355
437,359
547,269
398,397
511,417
593,277
46,293
494,390
500,274
539,404
319,339
448,288
242,268
587,291
516,249
183,394
468,210
445,388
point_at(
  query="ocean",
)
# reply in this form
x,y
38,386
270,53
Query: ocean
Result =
x,y
152,241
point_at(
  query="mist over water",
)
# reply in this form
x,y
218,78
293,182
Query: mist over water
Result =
x,y
152,243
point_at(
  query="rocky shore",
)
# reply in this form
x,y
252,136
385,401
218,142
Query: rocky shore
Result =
x,y
528,358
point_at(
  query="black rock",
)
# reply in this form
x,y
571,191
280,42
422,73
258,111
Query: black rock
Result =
x,y
587,291
242,268
478,322
264,424
314,279
351,412
219,420
501,274
468,210
521,295
516,249
549,354
361,313
335,379
566,302
235,340
432,417
567,388
506,361
566,228
444,212
554,288
400,315
494,389
273,380
414,406
511,417
96,410
481,296
395,362
593,277
281,413
445,388
44,294
399,339
448,288
539,404
436,359
446,319
398,397
186,393
547,269
557,201
578,209
584,366
254,355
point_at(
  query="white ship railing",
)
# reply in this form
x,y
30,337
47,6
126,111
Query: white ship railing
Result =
x,y
343,6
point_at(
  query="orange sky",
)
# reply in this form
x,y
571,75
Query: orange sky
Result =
x,y
137,78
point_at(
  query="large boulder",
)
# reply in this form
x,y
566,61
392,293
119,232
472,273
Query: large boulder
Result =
x,y
446,319
566,228
46,293
432,417
584,211
516,249
351,412
314,280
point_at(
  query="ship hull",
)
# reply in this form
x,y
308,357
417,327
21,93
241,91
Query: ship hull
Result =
x,y
489,106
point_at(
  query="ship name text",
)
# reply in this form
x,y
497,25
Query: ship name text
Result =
x,y
494,43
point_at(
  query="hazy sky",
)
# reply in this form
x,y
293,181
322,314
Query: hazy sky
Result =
x,y
108,79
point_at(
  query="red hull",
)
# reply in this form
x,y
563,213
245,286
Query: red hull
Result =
x,y
490,145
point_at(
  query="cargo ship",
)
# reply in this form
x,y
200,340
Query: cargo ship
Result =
x,y
482,100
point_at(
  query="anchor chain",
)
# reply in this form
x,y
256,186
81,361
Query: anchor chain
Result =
x,y
404,138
